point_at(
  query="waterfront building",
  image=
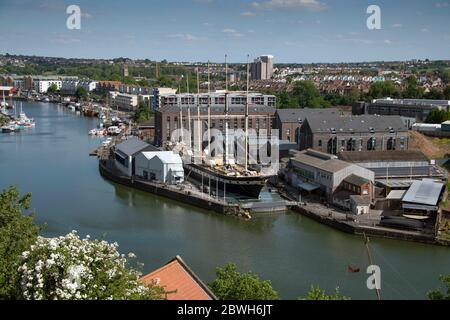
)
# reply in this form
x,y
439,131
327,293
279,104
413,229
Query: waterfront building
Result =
x,y
6,91
107,86
179,281
423,197
289,121
262,68
394,165
333,133
158,93
125,153
132,89
41,86
88,85
126,101
161,166
167,119
217,99
336,180
415,109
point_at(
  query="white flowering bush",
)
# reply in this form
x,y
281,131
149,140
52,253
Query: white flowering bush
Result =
x,y
69,268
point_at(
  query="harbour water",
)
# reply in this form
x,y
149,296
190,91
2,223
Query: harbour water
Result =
x,y
51,161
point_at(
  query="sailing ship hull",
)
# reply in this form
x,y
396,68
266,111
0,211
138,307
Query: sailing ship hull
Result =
x,y
244,186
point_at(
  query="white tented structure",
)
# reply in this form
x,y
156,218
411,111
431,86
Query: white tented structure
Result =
x,y
162,166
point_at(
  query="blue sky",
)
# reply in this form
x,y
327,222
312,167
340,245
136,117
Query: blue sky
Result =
x,y
300,31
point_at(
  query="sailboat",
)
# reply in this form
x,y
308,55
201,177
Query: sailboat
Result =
x,y
24,121
4,104
229,177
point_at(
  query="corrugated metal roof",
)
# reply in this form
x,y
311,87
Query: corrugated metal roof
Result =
x,y
380,156
424,192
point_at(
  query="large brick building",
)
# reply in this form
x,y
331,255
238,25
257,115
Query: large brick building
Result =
x,y
333,133
289,121
167,119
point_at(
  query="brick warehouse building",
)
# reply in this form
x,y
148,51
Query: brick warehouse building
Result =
x,y
167,119
333,133
289,121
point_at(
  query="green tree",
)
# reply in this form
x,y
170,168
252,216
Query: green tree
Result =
x,y
306,94
412,89
81,93
232,285
53,89
318,294
284,100
383,90
142,113
447,93
437,116
434,94
17,233
445,75
438,294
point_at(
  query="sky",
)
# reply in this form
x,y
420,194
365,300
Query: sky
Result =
x,y
297,31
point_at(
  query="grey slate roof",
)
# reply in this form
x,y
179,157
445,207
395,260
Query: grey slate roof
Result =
x,y
331,165
325,123
294,115
356,180
132,146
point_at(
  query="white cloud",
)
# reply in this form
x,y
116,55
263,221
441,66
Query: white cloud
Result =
x,y
86,15
248,14
425,30
290,4
387,41
185,36
397,25
441,5
232,32
64,39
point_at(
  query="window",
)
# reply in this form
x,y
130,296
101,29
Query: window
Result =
x,y
320,143
391,144
372,144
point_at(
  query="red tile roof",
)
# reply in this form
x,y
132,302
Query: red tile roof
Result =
x,y
179,281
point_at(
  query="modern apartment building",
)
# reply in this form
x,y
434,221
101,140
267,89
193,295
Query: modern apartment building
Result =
x,y
262,68
217,99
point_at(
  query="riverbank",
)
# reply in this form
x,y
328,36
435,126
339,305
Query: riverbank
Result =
x,y
358,225
178,193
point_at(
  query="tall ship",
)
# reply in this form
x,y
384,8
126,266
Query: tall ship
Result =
x,y
222,174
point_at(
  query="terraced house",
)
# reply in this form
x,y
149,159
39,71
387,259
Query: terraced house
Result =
x,y
333,133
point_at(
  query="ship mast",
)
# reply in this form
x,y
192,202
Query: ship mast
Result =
x,y
246,118
226,110
181,115
199,126
209,110
189,105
